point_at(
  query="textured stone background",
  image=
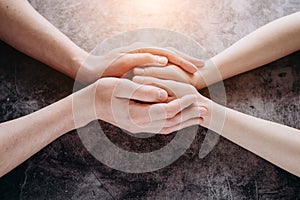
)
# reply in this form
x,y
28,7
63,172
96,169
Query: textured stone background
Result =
x,y
65,170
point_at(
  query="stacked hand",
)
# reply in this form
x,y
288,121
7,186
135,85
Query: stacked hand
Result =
x,y
145,104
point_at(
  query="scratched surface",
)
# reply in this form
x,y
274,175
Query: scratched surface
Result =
x,y
65,170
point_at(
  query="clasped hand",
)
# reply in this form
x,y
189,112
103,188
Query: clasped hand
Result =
x,y
142,104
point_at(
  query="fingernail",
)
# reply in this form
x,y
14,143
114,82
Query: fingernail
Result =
x,y
138,71
138,79
162,60
162,95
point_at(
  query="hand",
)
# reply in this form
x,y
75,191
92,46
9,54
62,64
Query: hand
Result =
x,y
198,113
120,61
170,72
115,101
186,62
199,80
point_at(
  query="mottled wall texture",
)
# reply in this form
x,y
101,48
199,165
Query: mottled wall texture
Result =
x,y
65,170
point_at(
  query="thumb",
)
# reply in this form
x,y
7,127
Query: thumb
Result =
x,y
144,59
145,93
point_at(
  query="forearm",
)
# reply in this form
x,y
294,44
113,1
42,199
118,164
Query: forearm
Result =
x,y
268,43
23,137
25,29
274,142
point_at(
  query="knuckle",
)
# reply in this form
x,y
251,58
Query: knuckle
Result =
x,y
148,56
123,81
197,110
173,121
191,88
201,120
171,113
149,91
148,70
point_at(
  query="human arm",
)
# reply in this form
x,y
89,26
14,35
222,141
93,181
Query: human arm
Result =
x,y
277,143
25,29
108,99
268,43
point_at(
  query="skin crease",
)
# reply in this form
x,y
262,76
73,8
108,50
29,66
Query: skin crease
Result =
x,y
274,142
26,30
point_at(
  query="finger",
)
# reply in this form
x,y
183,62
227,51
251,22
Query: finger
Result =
x,y
146,93
170,72
163,111
158,72
173,88
120,64
181,117
196,61
152,81
144,59
189,113
182,125
143,119
155,118
172,57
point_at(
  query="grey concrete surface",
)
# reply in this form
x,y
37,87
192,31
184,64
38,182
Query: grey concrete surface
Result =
x,y
65,170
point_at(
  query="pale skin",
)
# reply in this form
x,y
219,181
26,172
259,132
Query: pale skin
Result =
x,y
26,30
274,142
268,43
21,138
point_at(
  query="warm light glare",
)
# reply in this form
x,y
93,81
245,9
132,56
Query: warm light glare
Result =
x,y
153,13
155,6
151,5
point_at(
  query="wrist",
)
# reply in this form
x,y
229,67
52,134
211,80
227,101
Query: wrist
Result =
x,y
79,59
91,69
83,105
214,118
207,75
198,81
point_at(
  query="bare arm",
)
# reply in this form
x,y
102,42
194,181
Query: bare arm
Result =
x,y
277,143
268,43
274,142
105,99
25,29
23,137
